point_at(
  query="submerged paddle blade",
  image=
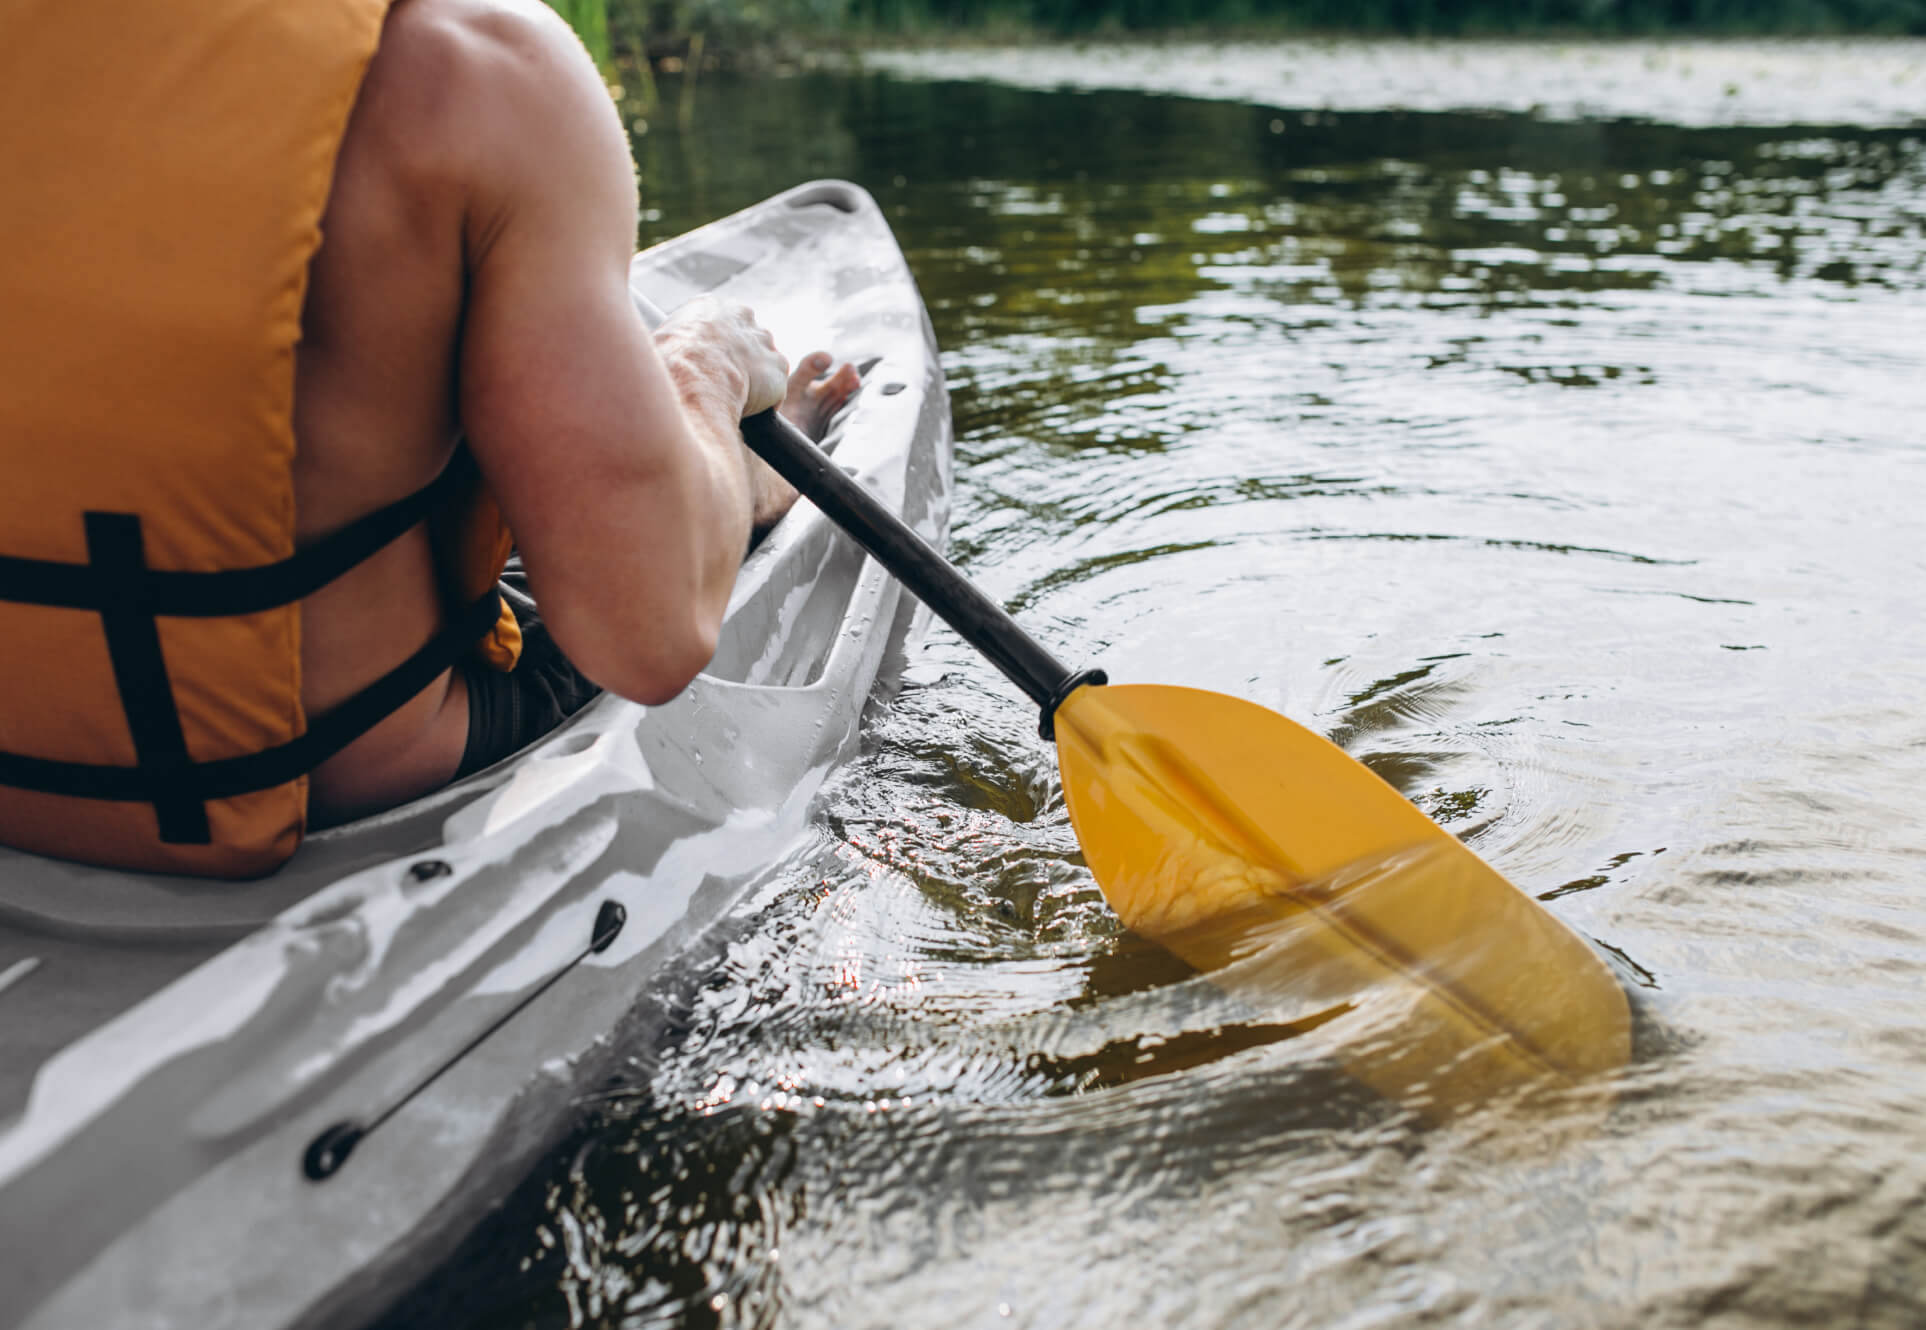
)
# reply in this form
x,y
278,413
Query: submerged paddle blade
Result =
x,y
1264,855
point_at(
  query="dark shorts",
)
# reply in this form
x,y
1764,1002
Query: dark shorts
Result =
x,y
508,712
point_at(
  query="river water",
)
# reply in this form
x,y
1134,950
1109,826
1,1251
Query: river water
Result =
x,y
1570,474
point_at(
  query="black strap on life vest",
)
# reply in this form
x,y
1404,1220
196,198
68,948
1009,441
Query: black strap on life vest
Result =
x,y
117,584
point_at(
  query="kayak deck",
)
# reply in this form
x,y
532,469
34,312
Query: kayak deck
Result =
x,y
263,1104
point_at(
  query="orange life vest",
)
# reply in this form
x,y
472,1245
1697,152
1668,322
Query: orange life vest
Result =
x,y
163,171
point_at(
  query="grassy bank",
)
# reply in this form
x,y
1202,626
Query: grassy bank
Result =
x,y
732,31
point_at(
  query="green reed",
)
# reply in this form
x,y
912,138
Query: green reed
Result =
x,y
590,19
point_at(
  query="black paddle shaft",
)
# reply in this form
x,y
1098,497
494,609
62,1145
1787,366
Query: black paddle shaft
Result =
x,y
981,621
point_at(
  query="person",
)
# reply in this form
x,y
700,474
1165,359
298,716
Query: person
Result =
x,y
469,292
615,457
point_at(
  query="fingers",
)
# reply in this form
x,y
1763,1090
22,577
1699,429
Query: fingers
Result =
x,y
728,330
768,384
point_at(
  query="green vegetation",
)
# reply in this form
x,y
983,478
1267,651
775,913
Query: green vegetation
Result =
x,y
733,29
590,19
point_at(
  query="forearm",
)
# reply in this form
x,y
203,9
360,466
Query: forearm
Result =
x,y
715,394
625,484
710,393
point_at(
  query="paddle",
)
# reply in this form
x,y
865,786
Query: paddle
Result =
x,y
1267,857
1262,852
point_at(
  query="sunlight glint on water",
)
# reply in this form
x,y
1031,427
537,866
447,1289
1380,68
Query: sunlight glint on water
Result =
x,y
1568,475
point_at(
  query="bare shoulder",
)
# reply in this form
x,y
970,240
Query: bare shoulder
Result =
x,y
442,45
472,66
499,99
484,90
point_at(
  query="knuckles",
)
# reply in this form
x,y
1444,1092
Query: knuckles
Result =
x,y
710,326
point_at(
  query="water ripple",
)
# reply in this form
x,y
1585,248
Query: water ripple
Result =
x,y
1568,475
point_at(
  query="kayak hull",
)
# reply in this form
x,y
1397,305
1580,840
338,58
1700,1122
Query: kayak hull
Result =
x,y
314,1084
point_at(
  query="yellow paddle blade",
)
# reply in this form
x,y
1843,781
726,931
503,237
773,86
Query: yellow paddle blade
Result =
x,y
1263,855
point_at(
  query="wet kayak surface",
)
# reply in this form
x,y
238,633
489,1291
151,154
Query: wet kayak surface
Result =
x,y
1569,474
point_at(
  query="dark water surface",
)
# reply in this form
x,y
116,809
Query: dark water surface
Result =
x,y
1571,476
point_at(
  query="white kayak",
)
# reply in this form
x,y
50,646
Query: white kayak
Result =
x,y
272,1104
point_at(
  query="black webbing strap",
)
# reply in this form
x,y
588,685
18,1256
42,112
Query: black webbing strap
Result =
x,y
114,551
129,596
226,777
165,593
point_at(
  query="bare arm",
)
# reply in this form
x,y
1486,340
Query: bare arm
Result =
x,y
692,335
622,476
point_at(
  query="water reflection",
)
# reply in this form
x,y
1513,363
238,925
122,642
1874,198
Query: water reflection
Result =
x,y
1569,476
